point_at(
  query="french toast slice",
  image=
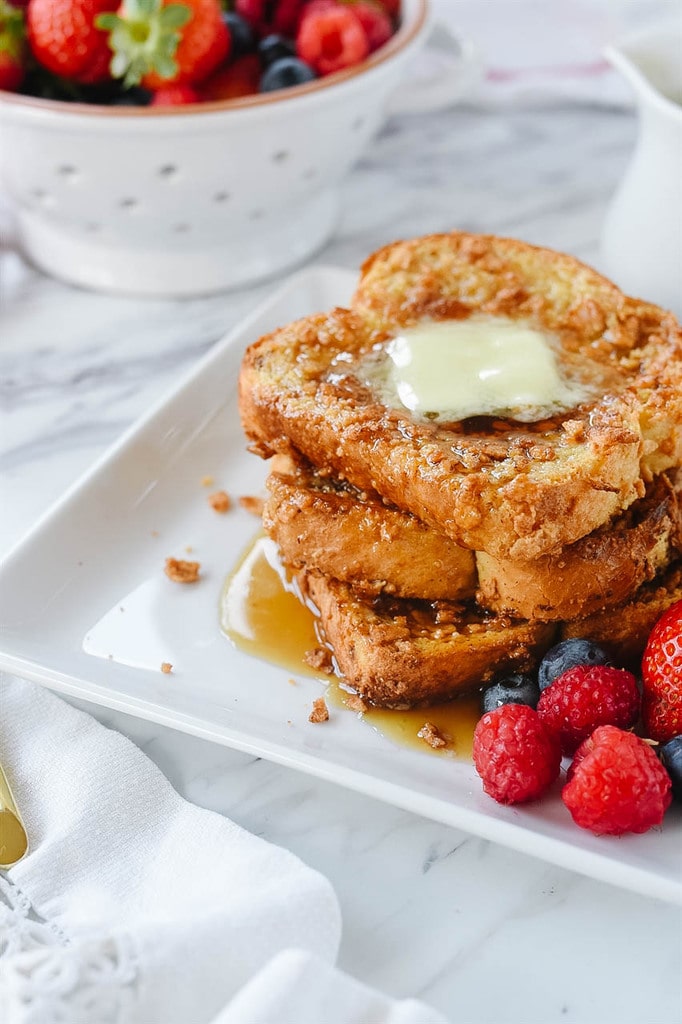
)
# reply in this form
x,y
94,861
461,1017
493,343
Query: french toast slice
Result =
x,y
400,653
514,490
324,524
624,628
592,574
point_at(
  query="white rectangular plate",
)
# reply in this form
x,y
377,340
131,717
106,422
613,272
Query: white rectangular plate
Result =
x,y
88,611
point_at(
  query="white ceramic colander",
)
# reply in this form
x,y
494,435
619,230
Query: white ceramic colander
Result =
x,y
195,199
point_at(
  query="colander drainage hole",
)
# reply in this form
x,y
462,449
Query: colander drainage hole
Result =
x,y
168,171
221,197
181,229
280,156
128,203
256,215
68,172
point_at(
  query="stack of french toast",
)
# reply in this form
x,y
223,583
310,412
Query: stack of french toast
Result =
x,y
481,456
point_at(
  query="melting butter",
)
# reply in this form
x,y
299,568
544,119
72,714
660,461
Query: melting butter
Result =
x,y
482,366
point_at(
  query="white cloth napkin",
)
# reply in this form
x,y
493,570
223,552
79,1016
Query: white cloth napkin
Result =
x,y
135,907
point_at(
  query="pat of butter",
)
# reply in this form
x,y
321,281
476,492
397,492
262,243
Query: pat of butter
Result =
x,y
484,366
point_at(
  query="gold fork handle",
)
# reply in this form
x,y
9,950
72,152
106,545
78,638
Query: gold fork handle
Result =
x,y
13,838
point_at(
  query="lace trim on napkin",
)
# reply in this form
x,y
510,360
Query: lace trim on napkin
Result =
x,y
46,978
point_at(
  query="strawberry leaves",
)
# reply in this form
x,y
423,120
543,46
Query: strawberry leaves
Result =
x,y
144,36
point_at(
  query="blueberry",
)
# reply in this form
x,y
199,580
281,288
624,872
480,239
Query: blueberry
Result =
x,y
242,36
513,689
671,756
285,72
569,654
273,48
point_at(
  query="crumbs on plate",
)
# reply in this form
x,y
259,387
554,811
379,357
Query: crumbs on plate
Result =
x,y
207,481
181,571
432,735
320,712
319,658
354,702
220,501
252,504
166,668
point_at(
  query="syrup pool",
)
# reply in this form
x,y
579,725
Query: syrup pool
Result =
x,y
264,614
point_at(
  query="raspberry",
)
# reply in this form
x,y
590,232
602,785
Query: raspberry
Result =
x,y
617,784
517,757
585,697
266,17
331,39
662,677
375,21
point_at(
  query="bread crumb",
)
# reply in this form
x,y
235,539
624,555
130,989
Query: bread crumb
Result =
x,y
220,501
292,682
252,504
166,667
431,735
189,549
180,571
354,702
154,533
320,712
319,658
207,481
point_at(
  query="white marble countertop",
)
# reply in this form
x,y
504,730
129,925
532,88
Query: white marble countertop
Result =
x,y
482,933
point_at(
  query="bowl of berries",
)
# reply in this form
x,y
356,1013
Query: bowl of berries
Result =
x,y
179,147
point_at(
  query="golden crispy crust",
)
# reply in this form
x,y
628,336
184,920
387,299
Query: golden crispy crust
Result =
x,y
600,570
624,628
514,491
399,653
351,535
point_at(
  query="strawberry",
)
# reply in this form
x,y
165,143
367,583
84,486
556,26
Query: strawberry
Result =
x,y
12,47
65,39
662,677
156,42
174,96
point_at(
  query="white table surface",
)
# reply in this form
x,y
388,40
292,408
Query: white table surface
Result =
x,y
484,934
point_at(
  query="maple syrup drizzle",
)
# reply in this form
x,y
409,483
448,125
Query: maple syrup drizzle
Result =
x,y
263,613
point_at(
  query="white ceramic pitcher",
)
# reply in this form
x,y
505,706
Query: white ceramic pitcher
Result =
x,y
642,240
